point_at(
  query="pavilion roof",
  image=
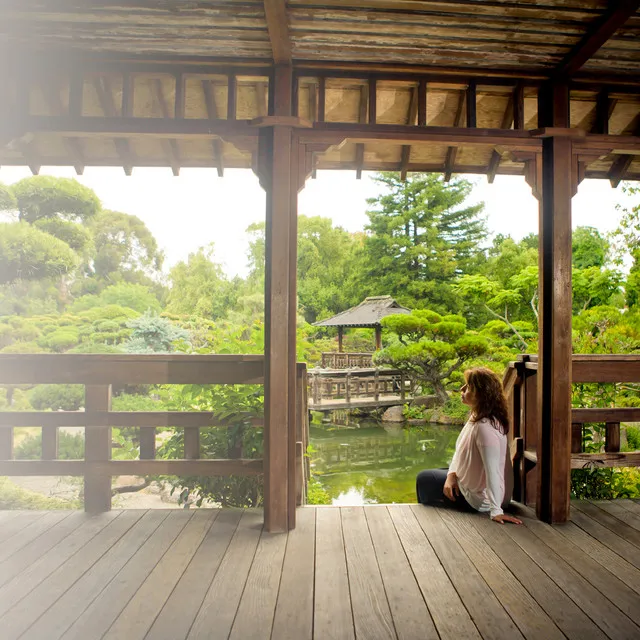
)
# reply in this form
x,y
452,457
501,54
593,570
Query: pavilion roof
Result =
x,y
367,314
175,65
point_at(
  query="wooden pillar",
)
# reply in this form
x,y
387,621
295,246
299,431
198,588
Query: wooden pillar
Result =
x,y
378,338
97,443
278,168
555,311
340,336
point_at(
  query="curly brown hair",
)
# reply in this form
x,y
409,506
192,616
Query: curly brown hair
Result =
x,y
490,400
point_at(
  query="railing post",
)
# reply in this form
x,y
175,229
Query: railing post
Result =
x,y
612,437
6,442
376,387
576,437
147,443
191,443
97,486
49,443
347,387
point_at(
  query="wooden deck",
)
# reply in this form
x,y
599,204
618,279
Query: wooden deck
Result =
x,y
378,572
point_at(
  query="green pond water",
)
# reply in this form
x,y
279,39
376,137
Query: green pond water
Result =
x,y
369,462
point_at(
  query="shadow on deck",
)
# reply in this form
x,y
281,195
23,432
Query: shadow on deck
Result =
x,y
397,571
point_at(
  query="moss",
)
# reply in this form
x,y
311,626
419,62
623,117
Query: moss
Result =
x,y
14,497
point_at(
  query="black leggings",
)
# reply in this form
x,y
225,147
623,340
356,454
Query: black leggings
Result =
x,y
429,487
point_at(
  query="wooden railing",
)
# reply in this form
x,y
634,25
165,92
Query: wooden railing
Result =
x,y
333,360
98,373
520,383
357,387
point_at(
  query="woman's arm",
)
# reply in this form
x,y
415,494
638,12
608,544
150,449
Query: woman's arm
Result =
x,y
493,462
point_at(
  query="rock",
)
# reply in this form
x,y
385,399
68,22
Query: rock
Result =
x,y
393,414
425,401
417,421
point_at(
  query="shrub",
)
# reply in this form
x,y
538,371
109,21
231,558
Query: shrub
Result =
x,y
61,340
633,438
57,397
14,497
70,447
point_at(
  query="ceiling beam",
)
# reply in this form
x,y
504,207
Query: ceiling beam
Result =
x,y
597,35
275,12
212,114
452,152
105,97
411,120
496,156
171,146
362,118
622,163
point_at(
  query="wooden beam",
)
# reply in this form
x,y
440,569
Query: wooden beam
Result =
x,y
373,101
471,104
450,160
172,149
597,35
622,163
555,348
411,120
105,97
212,113
261,99
496,156
322,102
422,102
278,27
232,94
518,107
362,118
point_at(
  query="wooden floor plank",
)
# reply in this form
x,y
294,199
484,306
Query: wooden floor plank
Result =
x,y
28,534
19,523
630,505
606,615
25,612
620,512
602,554
530,618
611,522
36,549
606,537
219,607
486,611
256,611
333,618
66,610
408,608
7,514
627,600
447,610
183,605
371,614
100,615
294,609
137,617
573,622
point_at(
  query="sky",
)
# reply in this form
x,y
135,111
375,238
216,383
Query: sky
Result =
x,y
198,208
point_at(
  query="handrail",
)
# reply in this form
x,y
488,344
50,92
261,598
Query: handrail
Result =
x,y
98,373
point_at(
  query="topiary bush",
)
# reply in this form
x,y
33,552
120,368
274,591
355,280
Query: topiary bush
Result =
x,y
57,397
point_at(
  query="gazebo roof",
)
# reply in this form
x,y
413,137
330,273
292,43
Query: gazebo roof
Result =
x,y
367,314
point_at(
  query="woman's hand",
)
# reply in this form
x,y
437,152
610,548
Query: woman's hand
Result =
x,y
451,489
503,517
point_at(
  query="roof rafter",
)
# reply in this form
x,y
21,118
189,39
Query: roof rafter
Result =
x,y
597,35
212,113
411,119
171,144
105,97
496,156
622,163
452,152
278,26
362,118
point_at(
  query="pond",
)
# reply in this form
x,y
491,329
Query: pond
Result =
x,y
372,462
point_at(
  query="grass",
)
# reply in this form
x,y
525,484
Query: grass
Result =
x,y
14,497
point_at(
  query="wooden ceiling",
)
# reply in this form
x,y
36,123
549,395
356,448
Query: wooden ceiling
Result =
x,y
175,60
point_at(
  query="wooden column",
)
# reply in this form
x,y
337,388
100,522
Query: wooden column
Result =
x,y
555,310
277,169
378,338
97,486
340,336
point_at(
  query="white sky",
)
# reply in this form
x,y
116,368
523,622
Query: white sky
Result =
x,y
198,208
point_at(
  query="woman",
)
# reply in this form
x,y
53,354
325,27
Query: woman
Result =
x,y
476,476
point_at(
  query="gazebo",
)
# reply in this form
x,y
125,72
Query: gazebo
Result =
x,y
365,315
546,90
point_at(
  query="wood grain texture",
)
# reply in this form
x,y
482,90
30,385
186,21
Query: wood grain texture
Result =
x,y
26,535
371,613
408,608
630,534
619,511
333,618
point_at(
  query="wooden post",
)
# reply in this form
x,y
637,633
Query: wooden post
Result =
x,y
191,443
6,442
378,338
49,443
347,387
147,443
555,349
612,437
340,335
576,437
376,388
97,448
277,176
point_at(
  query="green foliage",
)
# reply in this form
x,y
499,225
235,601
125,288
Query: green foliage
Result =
x,y
14,497
27,253
589,248
57,397
7,199
61,340
72,233
70,447
316,493
605,484
126,295
47,197
153,334
633,438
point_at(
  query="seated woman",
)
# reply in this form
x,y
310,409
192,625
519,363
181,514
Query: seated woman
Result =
x,y
476,476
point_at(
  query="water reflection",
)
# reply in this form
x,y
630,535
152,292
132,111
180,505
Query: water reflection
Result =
x,y
374,463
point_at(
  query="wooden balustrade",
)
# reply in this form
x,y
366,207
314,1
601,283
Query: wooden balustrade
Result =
x,y
98,373
343,360
520,383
